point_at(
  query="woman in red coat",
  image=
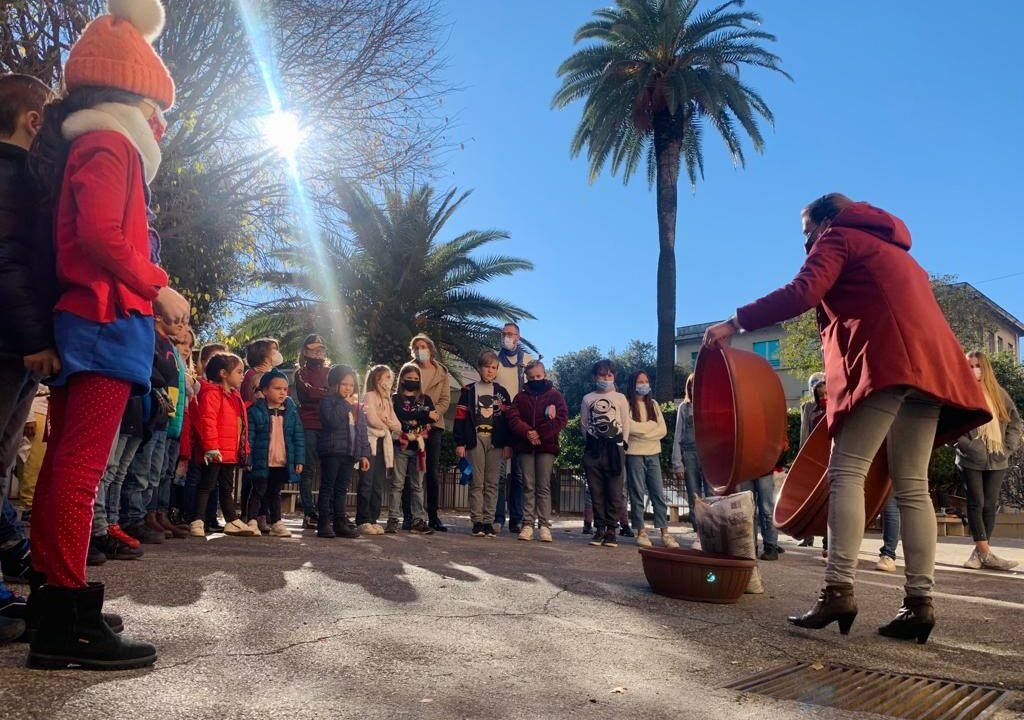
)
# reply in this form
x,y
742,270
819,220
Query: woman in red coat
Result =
x,y
894,370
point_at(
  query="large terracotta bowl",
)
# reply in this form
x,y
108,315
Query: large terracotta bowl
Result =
x,y
697,576
739,415
802,507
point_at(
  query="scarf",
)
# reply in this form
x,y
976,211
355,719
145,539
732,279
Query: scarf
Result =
x,y
992,432
126,120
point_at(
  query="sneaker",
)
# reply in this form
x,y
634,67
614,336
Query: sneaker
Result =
x,y
807,542
279,529
642,540
770,553
239,529
588,528
526,534
478,530
114,550
989,561
598,536
309,522
95,556
392,526
669,541
254,526
609,540
489,530
545,533
421,528
625,531
367,529
885,564
974,561
17,562
122,537
196,529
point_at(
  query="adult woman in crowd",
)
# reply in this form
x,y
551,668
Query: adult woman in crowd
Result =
x,y
893,370
436,383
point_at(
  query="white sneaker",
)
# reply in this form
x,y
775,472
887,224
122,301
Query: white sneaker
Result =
x,y
642,540
885,564
279,529
254,526
989,561
668,541
367,529
197,529
526,534
974,561
545,534
239,528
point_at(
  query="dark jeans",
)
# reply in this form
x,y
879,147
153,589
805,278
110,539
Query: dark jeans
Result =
x,y
890,527
764,509
265,492
983,488
222,477
431,481
510,486
606,488
143,478
309,470
263,509
17,391
335,477
371,487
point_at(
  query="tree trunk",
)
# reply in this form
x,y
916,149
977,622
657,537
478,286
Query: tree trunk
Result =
x,y
666,151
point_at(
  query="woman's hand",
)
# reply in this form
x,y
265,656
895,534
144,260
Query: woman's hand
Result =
x,y
716,334
171,306
433,415
364,464
460,452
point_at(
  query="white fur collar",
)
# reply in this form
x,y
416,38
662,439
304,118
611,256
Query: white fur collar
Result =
x,y
124,119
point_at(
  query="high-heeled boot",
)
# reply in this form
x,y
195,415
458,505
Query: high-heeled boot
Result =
x,y
835,604
914,621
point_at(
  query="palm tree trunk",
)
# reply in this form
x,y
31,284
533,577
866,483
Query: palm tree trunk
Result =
x,y
666,151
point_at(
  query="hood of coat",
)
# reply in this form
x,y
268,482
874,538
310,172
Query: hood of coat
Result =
x,y
126,120
875,221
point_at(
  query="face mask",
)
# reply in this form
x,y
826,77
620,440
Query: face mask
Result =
x,y
509,344
536,385
977,373
385,386
276,358
422,355
605,384
157,123
411,385
643,389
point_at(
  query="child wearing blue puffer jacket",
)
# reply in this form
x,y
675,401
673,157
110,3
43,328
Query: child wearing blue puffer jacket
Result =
x,y
278,449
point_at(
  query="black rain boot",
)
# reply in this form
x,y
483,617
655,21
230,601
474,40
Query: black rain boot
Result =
x,y
35,582
914,621
835,604
72,632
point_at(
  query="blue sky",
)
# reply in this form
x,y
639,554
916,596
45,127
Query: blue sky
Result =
x,y
914,106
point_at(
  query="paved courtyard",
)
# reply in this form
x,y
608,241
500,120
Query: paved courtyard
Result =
x,y
453,626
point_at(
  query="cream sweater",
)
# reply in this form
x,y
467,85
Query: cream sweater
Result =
x,y
645,435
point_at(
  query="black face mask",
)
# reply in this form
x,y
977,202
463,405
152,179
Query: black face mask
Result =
x,y
315,362
537,385
411,385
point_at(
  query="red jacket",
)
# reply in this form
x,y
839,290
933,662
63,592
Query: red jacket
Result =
x,y
310,389
879,322
527,412
219,423
102,231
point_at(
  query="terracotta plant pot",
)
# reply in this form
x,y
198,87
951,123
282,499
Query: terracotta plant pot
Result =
x,y
802,507
697,576
739,415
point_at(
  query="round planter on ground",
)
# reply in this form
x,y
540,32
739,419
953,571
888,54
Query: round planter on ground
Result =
x,y
739,415
697,576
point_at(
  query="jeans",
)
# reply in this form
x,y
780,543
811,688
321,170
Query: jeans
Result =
x,y
764,509
265,492
17,391
220,476
432,477
407,471
487,462
143,478
906,420
335,477
644,475
371,487
309,471
107,507
983,488
160,502
510,486
537,488
696,485
890,527
11,532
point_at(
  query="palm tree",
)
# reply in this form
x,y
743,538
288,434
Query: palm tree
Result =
x,y
391,277
657,76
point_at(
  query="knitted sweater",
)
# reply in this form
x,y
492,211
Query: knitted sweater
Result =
x,y
645,434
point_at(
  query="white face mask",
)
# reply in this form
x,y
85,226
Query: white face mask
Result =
x,y
276,358
385,386
977,373
509,344
422,355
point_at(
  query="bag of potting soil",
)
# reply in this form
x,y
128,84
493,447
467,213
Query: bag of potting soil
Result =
x,y
726,527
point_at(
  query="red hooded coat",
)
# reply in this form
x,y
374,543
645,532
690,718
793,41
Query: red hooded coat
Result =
x,y
879,322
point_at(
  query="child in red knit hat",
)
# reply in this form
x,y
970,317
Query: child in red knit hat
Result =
x,y
95,155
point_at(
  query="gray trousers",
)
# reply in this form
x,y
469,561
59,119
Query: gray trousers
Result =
x,y
536,488
908,420
17,391
406,466
483,487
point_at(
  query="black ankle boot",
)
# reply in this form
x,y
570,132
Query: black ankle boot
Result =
x,y
344,529
325,528
835,604
32,609
72,632
914,621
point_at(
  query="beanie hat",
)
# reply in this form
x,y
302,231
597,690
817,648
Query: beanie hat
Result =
x,y
270,376
814,381
116,51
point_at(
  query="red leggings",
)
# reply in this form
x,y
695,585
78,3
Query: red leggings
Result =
x,y
85,417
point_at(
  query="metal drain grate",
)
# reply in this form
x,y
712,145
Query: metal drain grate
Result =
x,y
900,696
